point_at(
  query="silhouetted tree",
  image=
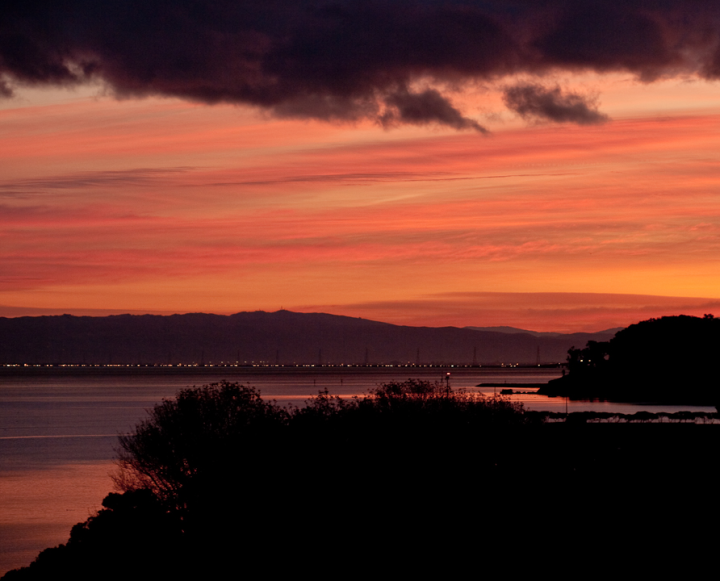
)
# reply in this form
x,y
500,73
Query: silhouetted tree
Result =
x,y
592,359
189,436
665,360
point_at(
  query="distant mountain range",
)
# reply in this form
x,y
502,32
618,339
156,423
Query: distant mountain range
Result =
x,y
514,330
282,337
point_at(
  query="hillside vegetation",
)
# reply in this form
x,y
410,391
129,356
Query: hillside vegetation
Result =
x,y
218,483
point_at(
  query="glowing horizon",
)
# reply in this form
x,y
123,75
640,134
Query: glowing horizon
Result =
x,y
160,205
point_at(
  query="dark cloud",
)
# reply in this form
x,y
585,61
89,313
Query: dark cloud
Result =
x,y
599,36
345,59
536,102
426,107
5,89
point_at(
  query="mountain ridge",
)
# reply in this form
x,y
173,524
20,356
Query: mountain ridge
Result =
x,y
516,330
281,337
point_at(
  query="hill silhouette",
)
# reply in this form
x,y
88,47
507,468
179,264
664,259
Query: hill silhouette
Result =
x,y
670,360
282,337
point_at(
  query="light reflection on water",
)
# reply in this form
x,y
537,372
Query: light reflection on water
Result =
x,y
39,506
53,406
57,433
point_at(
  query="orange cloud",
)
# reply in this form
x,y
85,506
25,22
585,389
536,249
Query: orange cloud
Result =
x,y
145,205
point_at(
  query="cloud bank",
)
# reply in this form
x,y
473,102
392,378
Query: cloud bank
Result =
x,y
350,60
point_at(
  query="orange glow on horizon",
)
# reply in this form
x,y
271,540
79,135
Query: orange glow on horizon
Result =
x,y
160,205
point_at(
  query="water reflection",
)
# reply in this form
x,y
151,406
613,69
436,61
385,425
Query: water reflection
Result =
x,y
39,506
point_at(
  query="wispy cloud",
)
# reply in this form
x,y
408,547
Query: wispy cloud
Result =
x,y
87,180
535,102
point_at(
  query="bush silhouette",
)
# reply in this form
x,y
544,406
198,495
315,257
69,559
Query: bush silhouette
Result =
x,y
219,478
184,438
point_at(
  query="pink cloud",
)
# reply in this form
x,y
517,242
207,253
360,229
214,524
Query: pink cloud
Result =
x,y
155,191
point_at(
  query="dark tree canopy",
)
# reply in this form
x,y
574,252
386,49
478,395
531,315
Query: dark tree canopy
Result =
x,y
664,360
219,480
187,436
226,433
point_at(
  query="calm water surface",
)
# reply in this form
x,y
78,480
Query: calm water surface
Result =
x,y
57,433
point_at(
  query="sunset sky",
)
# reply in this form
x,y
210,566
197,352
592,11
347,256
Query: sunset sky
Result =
x,y
552,166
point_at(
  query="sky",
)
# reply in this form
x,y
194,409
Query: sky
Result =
x,y
547,165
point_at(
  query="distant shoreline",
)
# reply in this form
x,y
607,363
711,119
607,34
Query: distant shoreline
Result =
x,y
151,369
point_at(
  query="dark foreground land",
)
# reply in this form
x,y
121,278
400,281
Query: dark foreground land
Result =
x,y
220,484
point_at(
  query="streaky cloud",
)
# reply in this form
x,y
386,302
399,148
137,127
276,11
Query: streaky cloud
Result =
x,y
88,179
566,312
